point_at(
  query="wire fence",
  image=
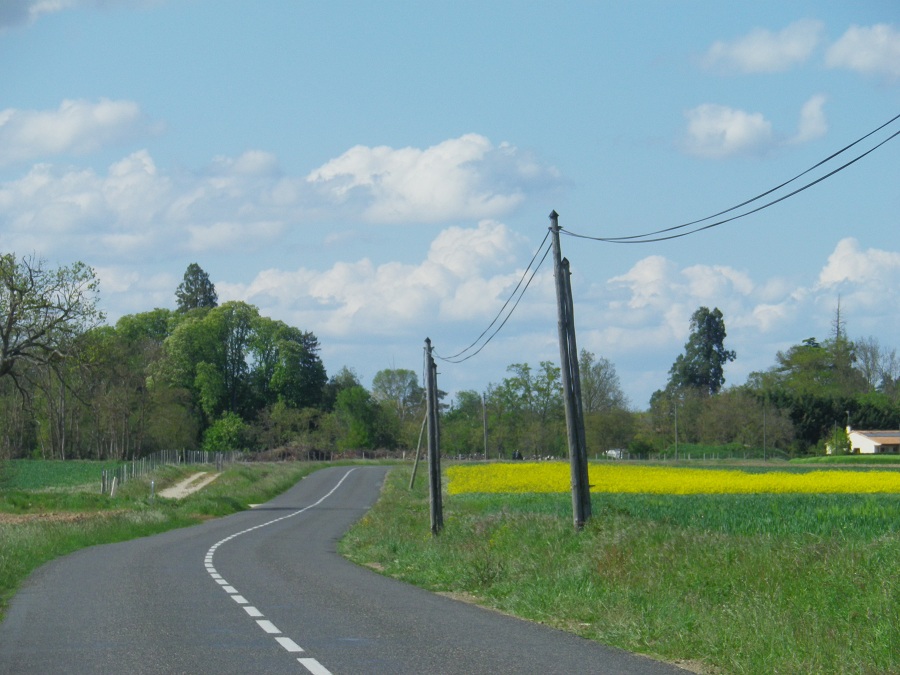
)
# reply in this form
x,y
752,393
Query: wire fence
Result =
x,y
111,478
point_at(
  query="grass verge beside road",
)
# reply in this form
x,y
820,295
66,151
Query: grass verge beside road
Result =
x,y
38,525
730,583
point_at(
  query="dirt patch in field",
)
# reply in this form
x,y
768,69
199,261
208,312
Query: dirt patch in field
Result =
x,y
189,485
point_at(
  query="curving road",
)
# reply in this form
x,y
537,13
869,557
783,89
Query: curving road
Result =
x,y
264,591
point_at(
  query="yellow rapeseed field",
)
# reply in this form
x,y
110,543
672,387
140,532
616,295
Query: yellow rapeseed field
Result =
x,y
608,477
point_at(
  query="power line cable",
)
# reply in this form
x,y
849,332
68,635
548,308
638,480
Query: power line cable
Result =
x,y
649,238
503,323
767,192
512,295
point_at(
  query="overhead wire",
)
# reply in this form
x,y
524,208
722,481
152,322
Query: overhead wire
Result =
x,y
650,237
508,300
454,359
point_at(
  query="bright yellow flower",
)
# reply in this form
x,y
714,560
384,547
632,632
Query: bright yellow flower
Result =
x,y
555,477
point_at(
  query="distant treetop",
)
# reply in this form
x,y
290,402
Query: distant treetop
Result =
x,y
196,290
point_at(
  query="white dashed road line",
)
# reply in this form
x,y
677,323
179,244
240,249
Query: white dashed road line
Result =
x,y
286,643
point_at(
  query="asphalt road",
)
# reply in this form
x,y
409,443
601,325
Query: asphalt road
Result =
x,y
265,592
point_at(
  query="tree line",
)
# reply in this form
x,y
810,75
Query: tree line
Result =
x,y
204,375
804,401
223,376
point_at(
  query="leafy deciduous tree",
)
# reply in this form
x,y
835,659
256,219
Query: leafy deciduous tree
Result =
x,y
600,386
399,388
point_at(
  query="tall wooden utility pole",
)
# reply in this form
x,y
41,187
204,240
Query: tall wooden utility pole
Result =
x,y
571,383
434,452
484,424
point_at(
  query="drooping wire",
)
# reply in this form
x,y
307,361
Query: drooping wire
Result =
x,y
649,237
455,359
508,300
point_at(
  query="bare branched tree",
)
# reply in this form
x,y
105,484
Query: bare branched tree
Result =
x,y
42,313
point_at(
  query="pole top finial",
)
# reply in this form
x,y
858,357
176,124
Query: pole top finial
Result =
x,y
554,215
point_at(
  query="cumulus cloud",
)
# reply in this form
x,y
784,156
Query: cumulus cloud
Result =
x,y
76,127
873,50
132,209
135,208
652,302
465,177
466,275
850,265
717,131
648,281
762,51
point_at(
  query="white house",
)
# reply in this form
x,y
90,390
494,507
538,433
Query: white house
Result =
x,y
874,442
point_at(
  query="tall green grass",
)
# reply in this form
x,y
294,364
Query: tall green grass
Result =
x,y
740,583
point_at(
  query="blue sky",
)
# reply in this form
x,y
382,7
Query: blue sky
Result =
x,y
380,173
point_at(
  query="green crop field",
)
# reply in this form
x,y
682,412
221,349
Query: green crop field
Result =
x,y
25,474
727,583
850,460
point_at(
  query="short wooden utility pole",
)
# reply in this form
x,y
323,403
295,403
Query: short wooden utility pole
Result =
x,y
434,451
571,383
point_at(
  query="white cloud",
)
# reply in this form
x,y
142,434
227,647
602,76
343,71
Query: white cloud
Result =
x,y
652,302
77,127
648,281
464,277
707,283
873,50
849,264
717,131
245,202
762,51
465,177
464,251
813,124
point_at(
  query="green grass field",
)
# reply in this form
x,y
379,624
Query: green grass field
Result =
x,y
728,583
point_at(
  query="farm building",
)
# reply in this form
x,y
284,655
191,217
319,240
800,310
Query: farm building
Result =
x,y
874,442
